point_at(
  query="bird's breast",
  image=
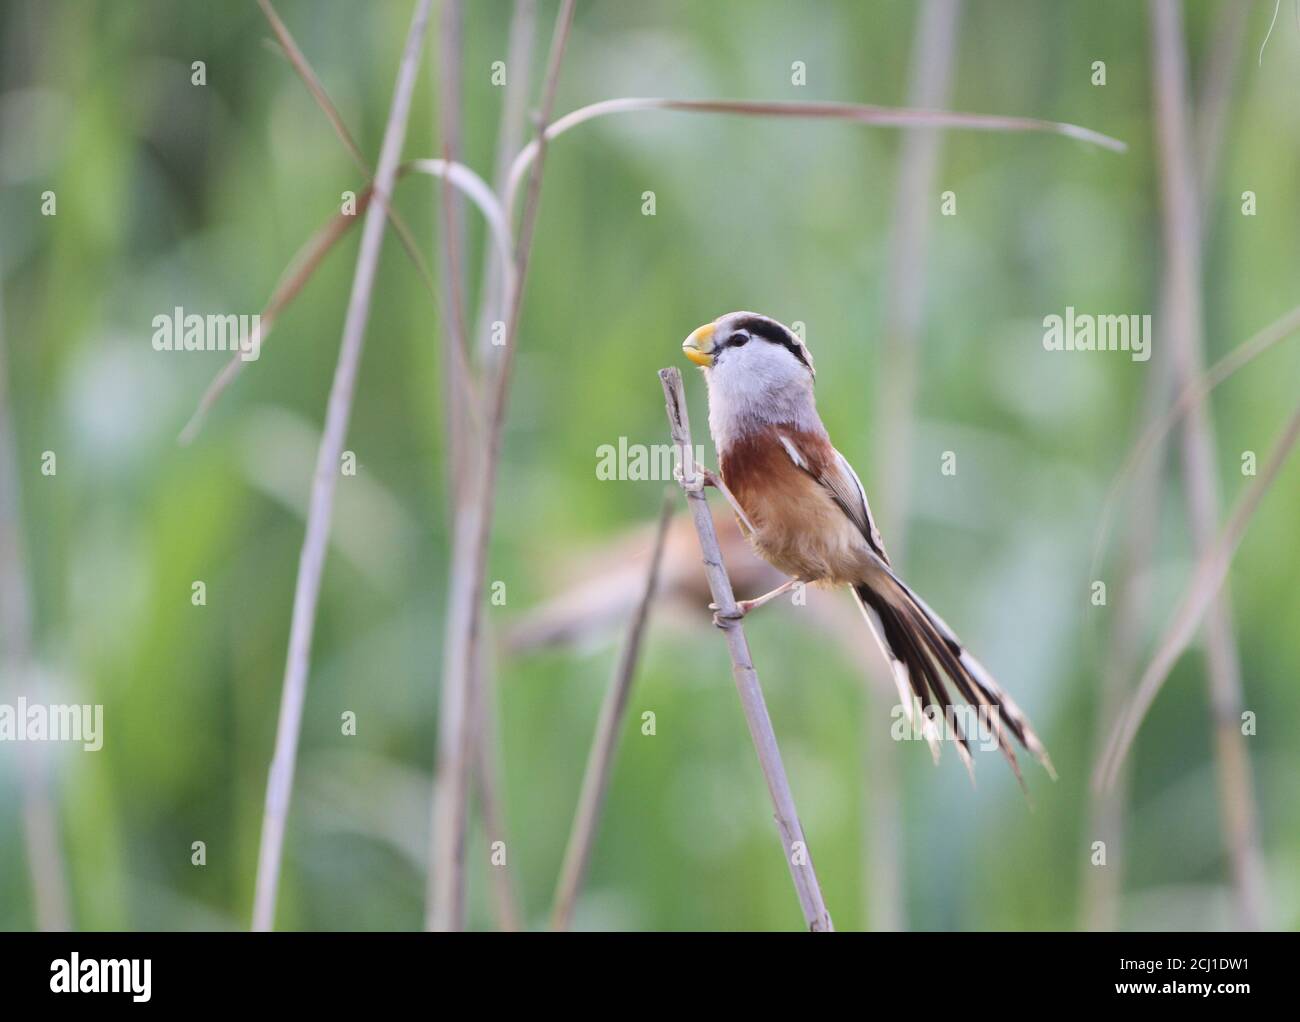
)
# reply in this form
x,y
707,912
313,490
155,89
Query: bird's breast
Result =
x,y
798,527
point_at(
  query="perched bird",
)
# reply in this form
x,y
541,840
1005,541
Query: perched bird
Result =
x,y
805,512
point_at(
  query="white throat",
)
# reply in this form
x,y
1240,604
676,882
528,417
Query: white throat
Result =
x,y
744,403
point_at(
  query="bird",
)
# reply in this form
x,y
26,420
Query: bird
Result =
x,y
804,511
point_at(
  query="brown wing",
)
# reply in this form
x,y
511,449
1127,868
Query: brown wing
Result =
x,y
819,459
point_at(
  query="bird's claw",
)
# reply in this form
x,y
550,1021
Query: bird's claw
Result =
x,y
723,619
696,483
707,477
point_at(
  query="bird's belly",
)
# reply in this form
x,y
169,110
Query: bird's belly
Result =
x,y
806,535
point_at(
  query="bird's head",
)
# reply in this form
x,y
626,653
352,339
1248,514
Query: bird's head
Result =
x,y
747,344
756,368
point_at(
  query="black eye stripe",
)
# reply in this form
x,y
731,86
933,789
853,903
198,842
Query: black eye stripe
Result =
x,y
774,333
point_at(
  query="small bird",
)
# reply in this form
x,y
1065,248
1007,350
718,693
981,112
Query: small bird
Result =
x,y
803,509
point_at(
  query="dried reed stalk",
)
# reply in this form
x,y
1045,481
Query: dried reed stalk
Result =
x,y
1101,885
604,744
881,116
494,289
1182,304
798,855
445,896
311,562
460,439
310,255
1207,579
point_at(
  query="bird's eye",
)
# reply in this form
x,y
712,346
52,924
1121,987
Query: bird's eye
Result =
x,y
738,339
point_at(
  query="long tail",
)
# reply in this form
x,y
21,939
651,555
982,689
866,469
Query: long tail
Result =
x,y
922,650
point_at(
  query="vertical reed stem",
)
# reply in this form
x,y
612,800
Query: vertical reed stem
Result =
x,y
600,759
311,562
798,855
1182,306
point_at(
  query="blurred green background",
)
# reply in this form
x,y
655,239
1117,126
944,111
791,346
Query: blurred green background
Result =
x,y
170,194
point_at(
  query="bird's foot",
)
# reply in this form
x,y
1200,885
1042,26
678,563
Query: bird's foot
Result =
x,y
743,607
695,483
702,477
727,619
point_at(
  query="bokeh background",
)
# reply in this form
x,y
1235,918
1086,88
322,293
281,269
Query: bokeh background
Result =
x,y
170,194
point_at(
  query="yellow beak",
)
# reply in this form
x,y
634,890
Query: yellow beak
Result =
x,y
698,347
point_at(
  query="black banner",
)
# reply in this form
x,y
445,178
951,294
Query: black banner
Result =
x,y
143,972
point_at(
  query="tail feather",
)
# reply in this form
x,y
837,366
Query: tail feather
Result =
x,y
911,641
906,680
950,661
921,649
1011,715
913,669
